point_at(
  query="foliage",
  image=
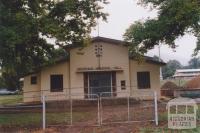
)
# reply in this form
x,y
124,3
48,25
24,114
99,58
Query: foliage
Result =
x,y
26,25
170,68
2,83
172,65
194,63
175,18
190,95
156,58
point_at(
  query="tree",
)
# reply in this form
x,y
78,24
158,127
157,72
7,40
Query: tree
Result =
x,y
157,58
194,63
2,83
170,68
26,25
175,18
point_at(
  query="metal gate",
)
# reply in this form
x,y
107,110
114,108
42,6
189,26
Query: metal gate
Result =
x,y
95,110
124,108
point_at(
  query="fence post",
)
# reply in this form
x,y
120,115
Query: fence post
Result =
x,y
156,107
99,121
101,110
71,111
43,112
128,100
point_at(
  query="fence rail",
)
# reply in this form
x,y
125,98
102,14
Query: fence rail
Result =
x,y
79,109
105,108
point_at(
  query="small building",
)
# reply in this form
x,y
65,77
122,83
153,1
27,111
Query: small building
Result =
x,y
103,66
186,73
168,88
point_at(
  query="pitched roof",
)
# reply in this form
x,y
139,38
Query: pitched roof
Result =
x,y
56,61
99,39
153,60
109,40
187,70
117,42
150,60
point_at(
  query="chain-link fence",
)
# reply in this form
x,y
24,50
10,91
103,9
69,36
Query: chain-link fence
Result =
x,y
127,108
57,109
15,114
144,103
85,111
71,110
114,109
46,109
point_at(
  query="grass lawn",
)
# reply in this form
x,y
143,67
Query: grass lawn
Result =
x,y
10,99
166,130
163,118
35,119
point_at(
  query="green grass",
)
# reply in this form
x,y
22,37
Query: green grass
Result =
x,y
164,115
35,119
163,118
24,119
10,99
166,130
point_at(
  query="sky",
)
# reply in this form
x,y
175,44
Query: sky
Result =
x,y
122,13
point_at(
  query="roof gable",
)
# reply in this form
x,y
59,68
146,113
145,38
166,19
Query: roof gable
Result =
x,y
99,39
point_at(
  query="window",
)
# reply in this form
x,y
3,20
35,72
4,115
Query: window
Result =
x,y
143,80
33,80
56,83
123,84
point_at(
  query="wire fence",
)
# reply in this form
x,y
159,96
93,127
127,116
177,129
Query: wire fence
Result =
x,y
141,106
43,109
100,109
57,111
14,114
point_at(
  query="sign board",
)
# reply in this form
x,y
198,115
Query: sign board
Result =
x,y
182,113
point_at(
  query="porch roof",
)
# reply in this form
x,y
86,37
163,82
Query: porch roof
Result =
x,y
101,69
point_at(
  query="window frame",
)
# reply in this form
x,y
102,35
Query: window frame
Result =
x,y
33,80
147,84
52,85
123,84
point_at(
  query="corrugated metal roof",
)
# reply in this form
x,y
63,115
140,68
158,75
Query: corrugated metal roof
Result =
x,y
188,70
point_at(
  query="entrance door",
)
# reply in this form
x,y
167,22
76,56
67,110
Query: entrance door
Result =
x,y
100,82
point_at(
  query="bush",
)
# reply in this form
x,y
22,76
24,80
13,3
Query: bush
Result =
x,y
191,95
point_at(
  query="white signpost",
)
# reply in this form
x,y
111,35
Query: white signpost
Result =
x,y
182,113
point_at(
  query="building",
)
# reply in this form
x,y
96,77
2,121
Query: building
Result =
x,y
102,66
186,73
